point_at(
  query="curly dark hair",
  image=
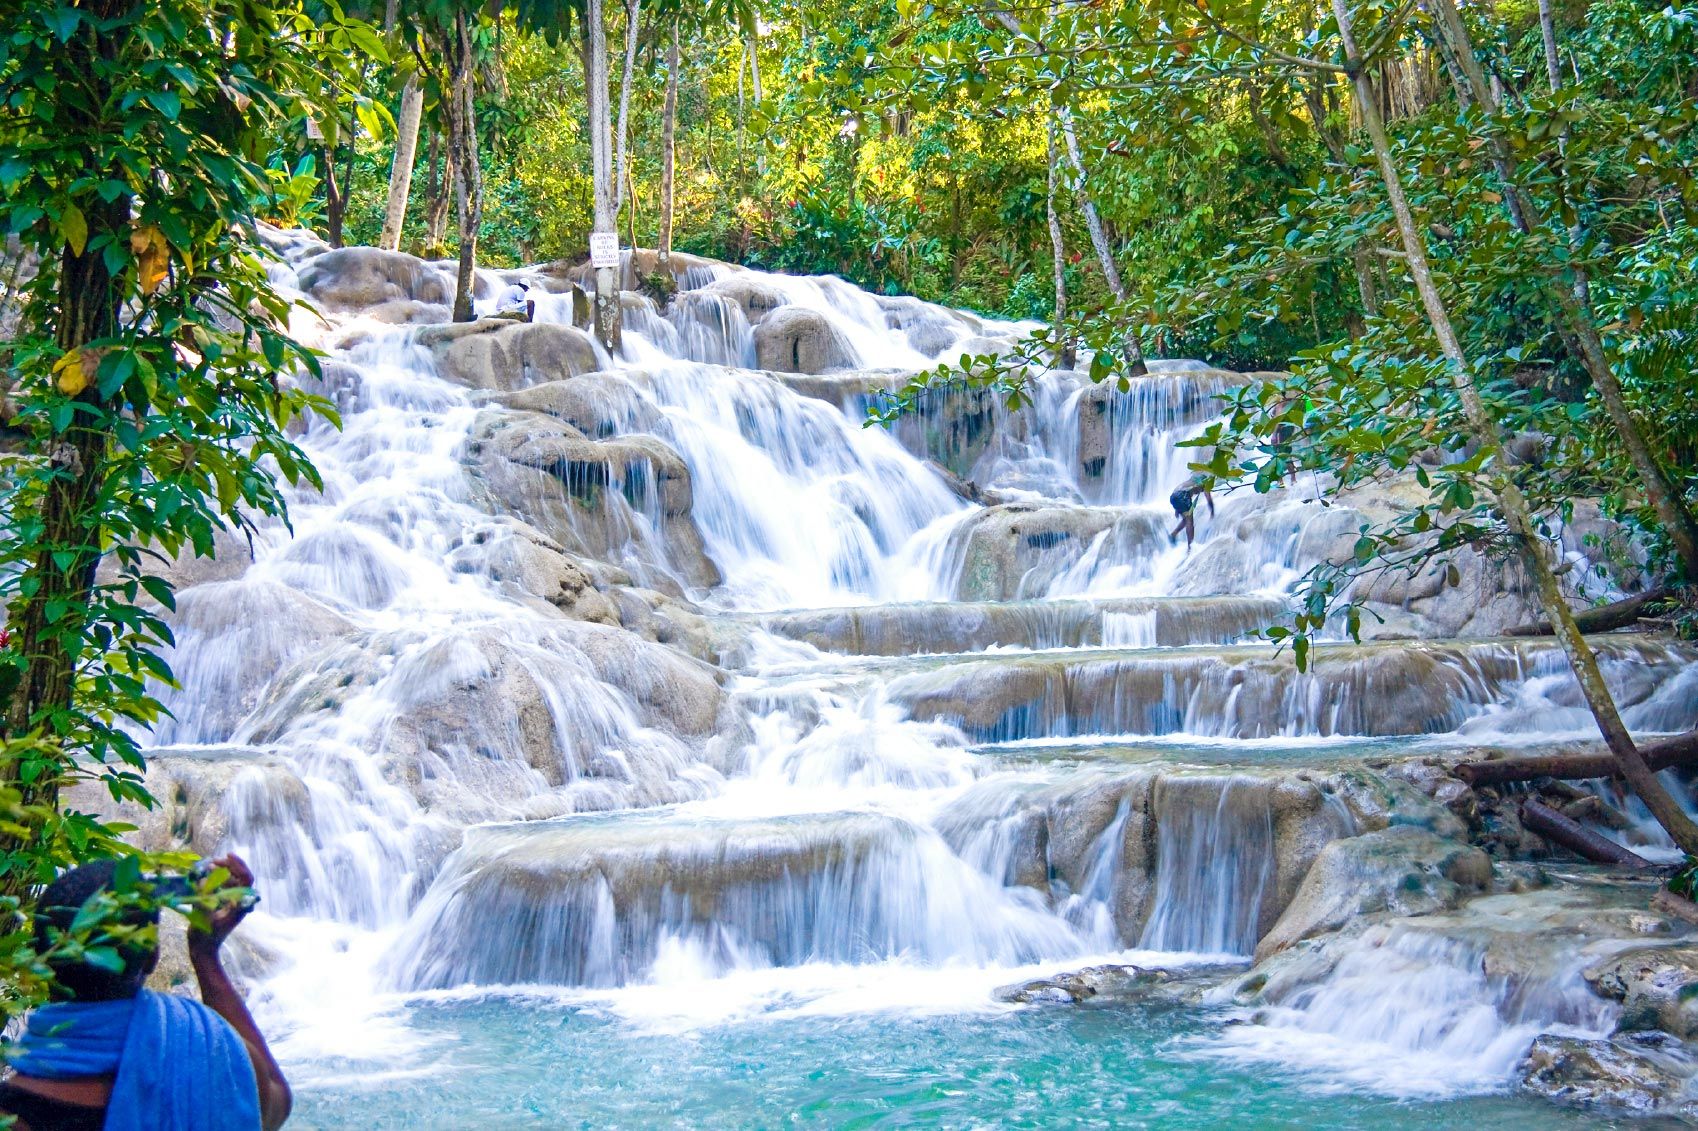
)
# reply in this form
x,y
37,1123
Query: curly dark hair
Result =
x,y
57,909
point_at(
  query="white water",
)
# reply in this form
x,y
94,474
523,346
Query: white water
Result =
x,y
445,786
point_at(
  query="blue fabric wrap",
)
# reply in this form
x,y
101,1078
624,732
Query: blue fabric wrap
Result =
x,y
176,1065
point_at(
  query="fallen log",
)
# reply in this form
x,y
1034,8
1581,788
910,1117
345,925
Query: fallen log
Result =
x,y
1679,751
1577,838
1616,614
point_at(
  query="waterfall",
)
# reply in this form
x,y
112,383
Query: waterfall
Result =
x,y
613,674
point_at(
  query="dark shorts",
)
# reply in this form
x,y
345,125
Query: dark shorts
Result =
x,y
1182,501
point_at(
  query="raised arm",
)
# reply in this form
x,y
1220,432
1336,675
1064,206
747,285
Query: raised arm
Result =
x,y
220,995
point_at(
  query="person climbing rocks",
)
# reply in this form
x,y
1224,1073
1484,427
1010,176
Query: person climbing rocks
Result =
x,y
107,1053
515,302
1184,503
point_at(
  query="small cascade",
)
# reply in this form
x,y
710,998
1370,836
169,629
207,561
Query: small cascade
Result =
x,y
1215,861
1453,1014
1127,439
597,901
835,506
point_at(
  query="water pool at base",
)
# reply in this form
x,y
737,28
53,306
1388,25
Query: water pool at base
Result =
x,y
500,1062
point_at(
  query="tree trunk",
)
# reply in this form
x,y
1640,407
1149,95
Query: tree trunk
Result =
x,y
1547,30
668,153
436,213
1574,301
48,618
335,199
1513,506
607,313
1099,239
463,149
1058,255
1616,614
401,168
1577,838
620,172
751,42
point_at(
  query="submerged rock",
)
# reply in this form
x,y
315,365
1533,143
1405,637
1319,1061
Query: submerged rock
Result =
x,y
1080,985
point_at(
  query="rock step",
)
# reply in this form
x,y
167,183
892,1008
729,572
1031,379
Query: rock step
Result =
x,y
1257,692
599,899
943,628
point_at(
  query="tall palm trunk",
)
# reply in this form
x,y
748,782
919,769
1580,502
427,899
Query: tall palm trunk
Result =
x,y
621,172
1516,513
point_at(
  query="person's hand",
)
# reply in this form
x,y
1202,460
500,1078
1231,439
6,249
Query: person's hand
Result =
x,y
223,920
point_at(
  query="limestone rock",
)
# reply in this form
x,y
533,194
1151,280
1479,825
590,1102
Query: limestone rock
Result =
x,y
1657,988
794,339
356,278
1603,1075
1077,986
501,355
1402,869
756,297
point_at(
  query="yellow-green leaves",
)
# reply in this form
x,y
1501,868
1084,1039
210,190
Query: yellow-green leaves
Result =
x,y
73,225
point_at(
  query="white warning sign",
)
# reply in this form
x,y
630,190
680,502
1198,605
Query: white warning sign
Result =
x,y
604,249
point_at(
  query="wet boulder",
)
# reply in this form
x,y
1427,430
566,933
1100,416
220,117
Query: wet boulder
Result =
x,y
599,404
1402,869
795,339
1656,986
1075,986
623,500
356,278
1611,1076
504,356
757,297
1017,550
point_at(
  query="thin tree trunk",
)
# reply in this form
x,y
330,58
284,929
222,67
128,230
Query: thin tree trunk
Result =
x,y
335,200
621,173
401,168
436,215
1574,301
463,147
1513,506
1099,239
1547,29
1058,255
752,45
607,312
1087,206
668,153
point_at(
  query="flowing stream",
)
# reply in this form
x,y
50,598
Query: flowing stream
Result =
x,y
521,869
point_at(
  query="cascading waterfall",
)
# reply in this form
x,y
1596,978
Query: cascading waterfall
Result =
x,y
445,782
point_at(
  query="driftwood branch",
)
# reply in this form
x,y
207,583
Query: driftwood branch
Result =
x,y
1681,751
1617,614
1577,838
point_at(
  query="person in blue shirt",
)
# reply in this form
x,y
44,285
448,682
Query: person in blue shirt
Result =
x,y
108,1054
